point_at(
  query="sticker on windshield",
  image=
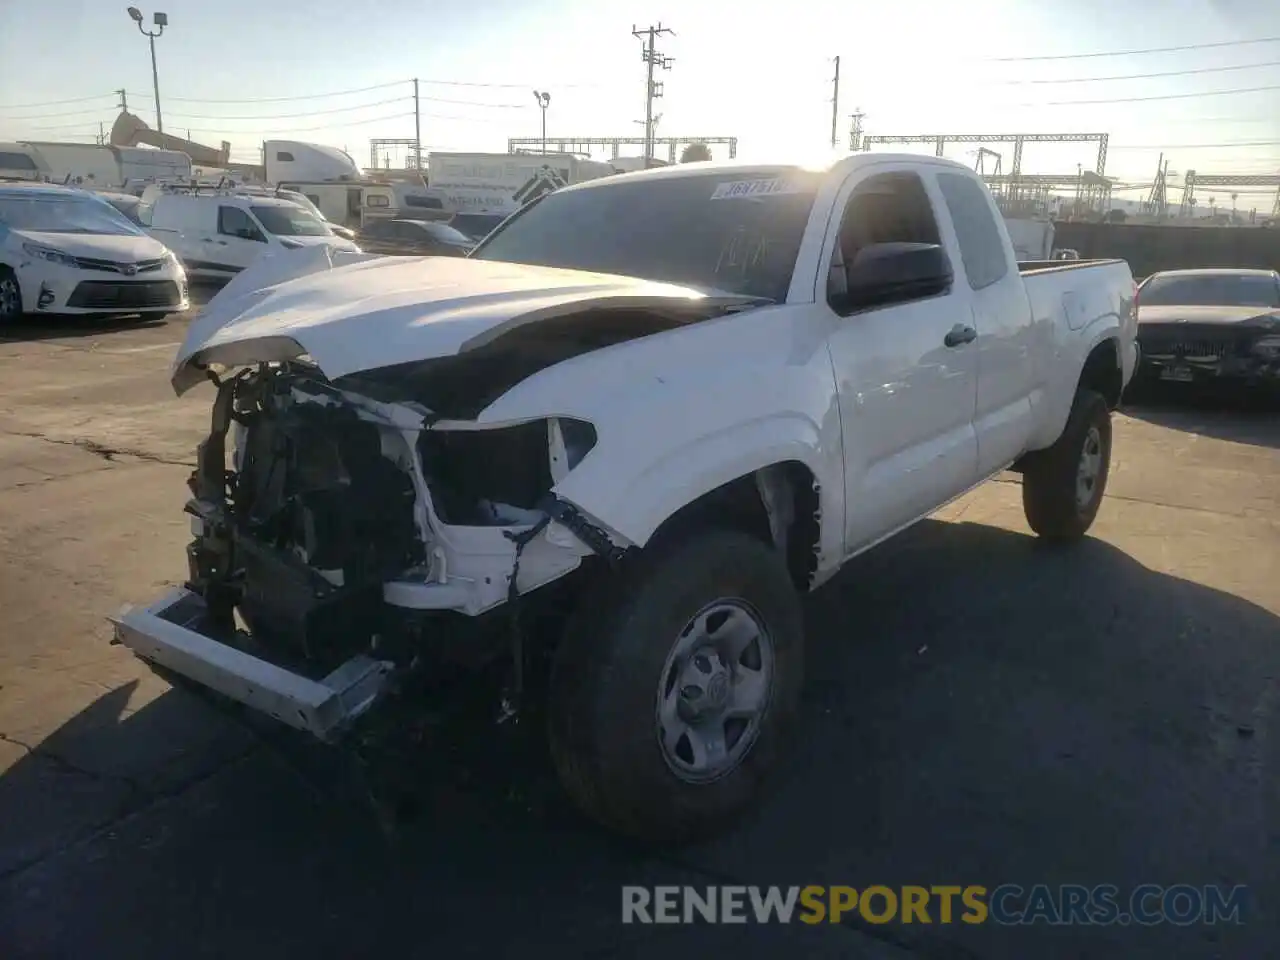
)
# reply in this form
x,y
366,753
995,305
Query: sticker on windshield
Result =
x,y
735,189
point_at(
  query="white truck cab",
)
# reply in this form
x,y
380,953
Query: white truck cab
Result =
x,y
647,413
217,235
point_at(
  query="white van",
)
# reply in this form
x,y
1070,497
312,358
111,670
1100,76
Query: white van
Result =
x,y
216,236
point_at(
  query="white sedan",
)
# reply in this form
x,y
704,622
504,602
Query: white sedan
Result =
x,y
67,251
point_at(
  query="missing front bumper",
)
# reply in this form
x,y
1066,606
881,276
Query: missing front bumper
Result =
x,y
169,633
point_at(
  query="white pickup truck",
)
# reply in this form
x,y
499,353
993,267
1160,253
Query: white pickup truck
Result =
x,y
653,410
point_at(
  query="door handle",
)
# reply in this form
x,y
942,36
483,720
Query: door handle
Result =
x,y
959,335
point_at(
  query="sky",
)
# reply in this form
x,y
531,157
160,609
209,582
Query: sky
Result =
x,y
339,73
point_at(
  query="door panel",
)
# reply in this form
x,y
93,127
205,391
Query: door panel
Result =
x,y
906,398
1003,416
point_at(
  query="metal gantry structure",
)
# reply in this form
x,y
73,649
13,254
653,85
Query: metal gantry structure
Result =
x,y
1191,180
615,144
411,161
1019,192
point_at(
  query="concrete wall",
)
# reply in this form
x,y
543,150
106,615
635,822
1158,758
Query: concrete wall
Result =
x,y
1152,247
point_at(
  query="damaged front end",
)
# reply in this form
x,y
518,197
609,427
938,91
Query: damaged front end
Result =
x,y
343,543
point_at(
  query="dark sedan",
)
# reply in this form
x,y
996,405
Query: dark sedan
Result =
x,y
1210,325
413,238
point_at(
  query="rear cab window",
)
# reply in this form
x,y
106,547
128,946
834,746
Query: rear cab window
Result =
x,y
981,245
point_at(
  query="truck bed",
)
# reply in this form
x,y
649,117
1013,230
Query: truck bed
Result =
x,y
1043,266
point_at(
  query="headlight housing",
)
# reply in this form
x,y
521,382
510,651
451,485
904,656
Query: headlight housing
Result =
x,y
1268,347
49,254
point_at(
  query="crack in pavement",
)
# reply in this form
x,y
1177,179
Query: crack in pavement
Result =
x,y
62,763
138,801
102,450
1010,481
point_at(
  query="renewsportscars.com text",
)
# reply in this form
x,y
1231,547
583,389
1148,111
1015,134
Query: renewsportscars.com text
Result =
x,y
1008,904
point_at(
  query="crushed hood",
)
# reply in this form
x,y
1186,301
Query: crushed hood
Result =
x,y
350,313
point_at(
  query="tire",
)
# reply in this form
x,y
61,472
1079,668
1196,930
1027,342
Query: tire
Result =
x,y
10,297
627,644
1059,505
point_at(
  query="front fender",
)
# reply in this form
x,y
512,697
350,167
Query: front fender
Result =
x,y
682,473
680,413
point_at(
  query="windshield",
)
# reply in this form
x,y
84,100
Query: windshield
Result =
x,y
735,232
1211,290
290,221
63,214
446,234
302,201
476,224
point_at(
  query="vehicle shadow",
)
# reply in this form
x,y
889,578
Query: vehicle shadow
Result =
x,y
34,327
1251,417
981,708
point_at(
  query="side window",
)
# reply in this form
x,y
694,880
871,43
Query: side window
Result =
x,y
234,222
313,198
981,247
284,156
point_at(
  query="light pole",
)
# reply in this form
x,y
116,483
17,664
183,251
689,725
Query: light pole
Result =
x,y
544,101
161,20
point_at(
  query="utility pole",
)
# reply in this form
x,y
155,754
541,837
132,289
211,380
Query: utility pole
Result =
x,y
161,21
124,101
835,105
417,130
653,90
855,130
544,101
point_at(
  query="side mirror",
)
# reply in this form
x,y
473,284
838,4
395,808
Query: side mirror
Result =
x,y
885,273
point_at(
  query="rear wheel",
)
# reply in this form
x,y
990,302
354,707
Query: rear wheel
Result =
x,y
10,297
672,692
1062,487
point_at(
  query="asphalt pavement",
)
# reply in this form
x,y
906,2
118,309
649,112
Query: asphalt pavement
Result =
x,y
980,709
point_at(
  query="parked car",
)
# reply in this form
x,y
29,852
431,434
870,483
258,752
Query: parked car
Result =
x,y
126,203
417,238
219,234
68,251
476,226
639,421
1220,325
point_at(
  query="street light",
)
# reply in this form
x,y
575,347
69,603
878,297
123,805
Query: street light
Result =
x,y
544,101
161,20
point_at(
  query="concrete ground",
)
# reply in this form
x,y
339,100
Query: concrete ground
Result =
x,y
980,710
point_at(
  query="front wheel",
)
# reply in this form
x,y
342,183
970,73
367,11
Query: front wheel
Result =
x,y
673,690
1062,486
10,297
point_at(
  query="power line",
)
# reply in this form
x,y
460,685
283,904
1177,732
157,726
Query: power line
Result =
x,y
1165,96
1147,76
305,96
56,103
1224,145
1133,53
330,126
292,116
